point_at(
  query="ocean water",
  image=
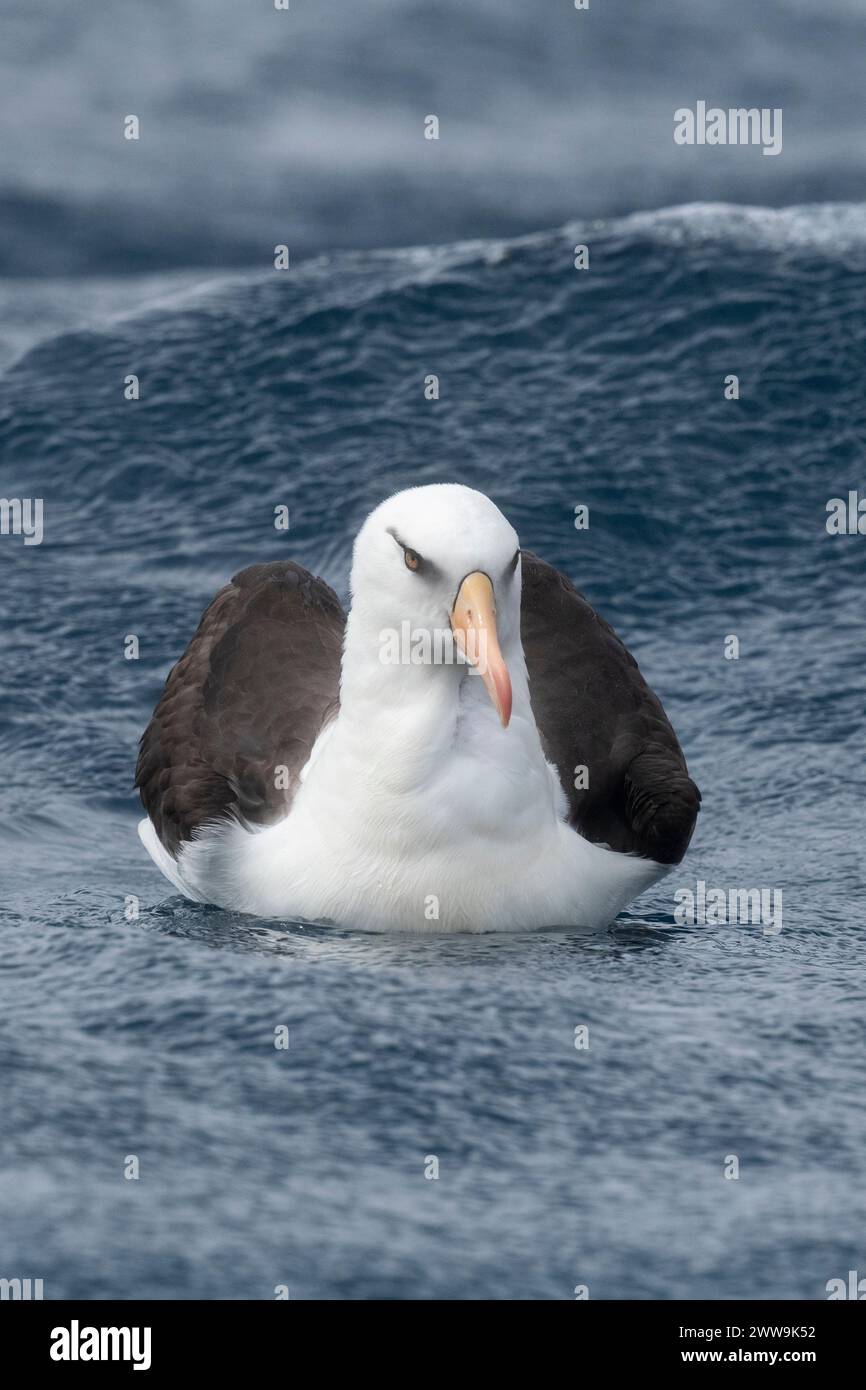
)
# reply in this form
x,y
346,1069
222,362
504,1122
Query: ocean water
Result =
x,y
154,1036
305,126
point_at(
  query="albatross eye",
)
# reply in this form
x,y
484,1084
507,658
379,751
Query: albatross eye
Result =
x,y
411,559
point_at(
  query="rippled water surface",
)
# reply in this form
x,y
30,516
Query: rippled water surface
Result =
x,y
154,1037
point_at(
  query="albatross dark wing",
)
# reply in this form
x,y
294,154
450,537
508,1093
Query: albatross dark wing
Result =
x,y
251,693
594,709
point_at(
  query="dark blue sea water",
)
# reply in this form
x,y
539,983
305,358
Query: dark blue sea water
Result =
x,y
154,1037
306,126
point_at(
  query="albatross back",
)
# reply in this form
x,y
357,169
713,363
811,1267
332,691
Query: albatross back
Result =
x,y
594,710
248,698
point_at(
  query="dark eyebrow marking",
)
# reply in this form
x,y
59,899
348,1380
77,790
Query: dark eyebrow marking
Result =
x,y
402,544
512,564
424,566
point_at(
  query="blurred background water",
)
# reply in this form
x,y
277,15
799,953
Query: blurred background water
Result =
x,y
154,1036
305,126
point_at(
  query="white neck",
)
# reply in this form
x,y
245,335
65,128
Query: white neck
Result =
x,y
400,726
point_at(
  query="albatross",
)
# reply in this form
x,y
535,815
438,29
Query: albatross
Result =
x,y
303,764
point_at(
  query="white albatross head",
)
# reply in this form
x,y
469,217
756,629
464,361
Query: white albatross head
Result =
x,y
443,559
